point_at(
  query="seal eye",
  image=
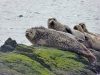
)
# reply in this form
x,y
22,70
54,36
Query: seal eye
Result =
x,y
54,19
49,19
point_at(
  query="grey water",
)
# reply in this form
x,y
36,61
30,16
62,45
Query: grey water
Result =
x,y
18,15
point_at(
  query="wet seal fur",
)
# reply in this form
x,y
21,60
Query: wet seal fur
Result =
x,y
52,38
93,41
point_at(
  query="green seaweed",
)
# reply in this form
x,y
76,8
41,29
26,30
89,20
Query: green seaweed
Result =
x,y
29,60
24,64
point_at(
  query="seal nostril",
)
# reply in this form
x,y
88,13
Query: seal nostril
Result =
x,y
82,26
75,28
52,23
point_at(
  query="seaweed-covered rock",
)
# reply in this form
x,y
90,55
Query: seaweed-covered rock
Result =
x,y
9,45
96,68
60,62
29,60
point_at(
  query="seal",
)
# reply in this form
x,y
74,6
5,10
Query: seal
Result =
x,y
79,28
85,28
82,28
79,34
93,41
54,24
51,38
97,36
73,37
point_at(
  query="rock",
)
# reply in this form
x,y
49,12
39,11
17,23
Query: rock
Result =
x,y
60,62
9,45
26,60
97,65
20,16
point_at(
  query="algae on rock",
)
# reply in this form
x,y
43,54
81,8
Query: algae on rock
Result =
x,y
28,60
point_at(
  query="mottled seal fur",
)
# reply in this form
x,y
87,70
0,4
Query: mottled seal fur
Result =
x,y
97,36
73,37
93,41
78,27
52,38
54,24
85,29
79,34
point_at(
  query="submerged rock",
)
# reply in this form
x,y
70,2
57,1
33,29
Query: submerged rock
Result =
x,y
20,16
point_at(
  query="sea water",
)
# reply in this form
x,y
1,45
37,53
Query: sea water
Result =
x,y
36,13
